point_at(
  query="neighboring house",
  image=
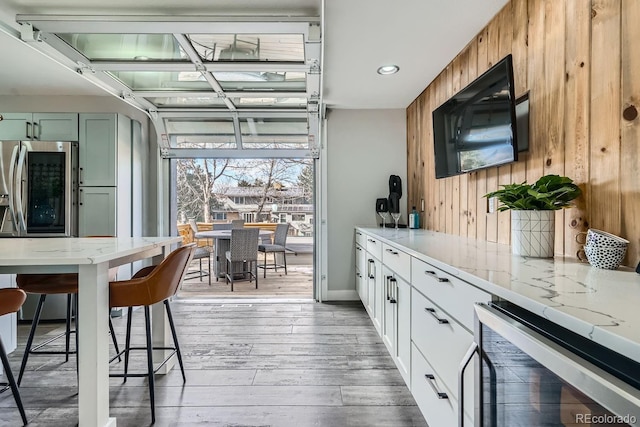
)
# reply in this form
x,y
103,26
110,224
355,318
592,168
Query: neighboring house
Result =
x,y
282,205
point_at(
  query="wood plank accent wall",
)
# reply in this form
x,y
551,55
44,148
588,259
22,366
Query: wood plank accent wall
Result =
x,y
579,60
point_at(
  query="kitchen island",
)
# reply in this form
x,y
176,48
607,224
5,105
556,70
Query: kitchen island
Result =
x,y
90,258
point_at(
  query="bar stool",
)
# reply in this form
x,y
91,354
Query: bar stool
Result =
x,y
51,284
149,286
10,302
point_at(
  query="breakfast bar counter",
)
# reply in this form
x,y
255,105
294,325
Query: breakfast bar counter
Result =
x,y
90,258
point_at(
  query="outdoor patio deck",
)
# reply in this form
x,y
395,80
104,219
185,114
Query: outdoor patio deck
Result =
x,y
298,283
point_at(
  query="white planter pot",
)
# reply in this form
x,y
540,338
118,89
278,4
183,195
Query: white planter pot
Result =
x,y
532,233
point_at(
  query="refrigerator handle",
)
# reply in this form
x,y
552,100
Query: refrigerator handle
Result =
x,y
12,187
18,188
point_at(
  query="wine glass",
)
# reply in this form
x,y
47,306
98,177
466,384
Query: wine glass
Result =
x,y
396,217
384,215
382,209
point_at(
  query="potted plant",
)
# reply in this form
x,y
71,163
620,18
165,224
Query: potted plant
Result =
x,y
533,216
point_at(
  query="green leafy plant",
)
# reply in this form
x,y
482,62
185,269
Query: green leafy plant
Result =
x,y
551,192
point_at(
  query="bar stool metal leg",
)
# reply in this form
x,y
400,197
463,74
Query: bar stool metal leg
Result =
x,y
147,321
12,383
127,344
175,338
32,332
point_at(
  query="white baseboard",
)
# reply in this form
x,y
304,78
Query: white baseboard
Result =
x,y
342,295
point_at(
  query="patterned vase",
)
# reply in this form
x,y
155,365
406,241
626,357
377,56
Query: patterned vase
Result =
x,y
532,233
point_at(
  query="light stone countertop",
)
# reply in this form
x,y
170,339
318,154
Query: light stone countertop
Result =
x,y
67,251
603,305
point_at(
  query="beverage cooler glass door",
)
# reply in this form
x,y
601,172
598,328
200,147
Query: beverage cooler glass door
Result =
x,y
531,379
45,200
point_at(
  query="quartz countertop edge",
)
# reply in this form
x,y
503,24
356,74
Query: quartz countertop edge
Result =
x,y
602,305
66,251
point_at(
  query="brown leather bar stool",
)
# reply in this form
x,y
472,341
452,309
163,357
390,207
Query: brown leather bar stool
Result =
x,y
10,302
50,284
149,286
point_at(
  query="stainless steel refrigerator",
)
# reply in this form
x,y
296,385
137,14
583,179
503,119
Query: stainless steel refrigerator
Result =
x,y
38,192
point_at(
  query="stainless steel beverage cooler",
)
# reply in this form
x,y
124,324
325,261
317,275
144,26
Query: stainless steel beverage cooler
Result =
x,y
535,373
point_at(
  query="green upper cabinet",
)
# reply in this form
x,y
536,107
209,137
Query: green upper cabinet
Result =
x,y
39,126
98,148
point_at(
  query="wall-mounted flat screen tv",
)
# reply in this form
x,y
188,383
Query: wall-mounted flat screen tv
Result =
x,y
476,128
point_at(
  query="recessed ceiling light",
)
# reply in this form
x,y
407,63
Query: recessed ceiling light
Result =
x,y
388,69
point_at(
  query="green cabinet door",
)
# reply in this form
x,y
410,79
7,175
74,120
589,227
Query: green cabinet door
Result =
x,y
97,150
97,211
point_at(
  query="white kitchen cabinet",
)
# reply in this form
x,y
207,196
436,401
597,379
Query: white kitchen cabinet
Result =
x,y
97,211
105,147
361,281
425,321
39,126
403,332
374,273
397,321
389,317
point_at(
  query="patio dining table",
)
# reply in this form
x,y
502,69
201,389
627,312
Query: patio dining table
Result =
x,y
222,244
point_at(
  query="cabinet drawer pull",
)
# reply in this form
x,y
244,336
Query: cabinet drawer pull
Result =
x,y
392,252
435,276
358,233
393,283
358,248
371,240
28,130
432,311
431,380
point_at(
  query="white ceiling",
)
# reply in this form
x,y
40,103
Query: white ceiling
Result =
x,y
420,36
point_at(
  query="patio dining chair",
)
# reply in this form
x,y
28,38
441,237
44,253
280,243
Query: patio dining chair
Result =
x,y
202,253
277,247
242,256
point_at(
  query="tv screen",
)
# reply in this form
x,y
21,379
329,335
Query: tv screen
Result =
x,y
476,128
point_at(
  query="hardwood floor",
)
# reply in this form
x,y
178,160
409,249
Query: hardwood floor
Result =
x,y
247,363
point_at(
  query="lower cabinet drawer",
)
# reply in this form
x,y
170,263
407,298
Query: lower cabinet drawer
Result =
x,y
440,338
455,296
374,246
397,261
439,410
434,400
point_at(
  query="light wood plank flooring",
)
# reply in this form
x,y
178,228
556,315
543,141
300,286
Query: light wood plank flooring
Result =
x,y
248,363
